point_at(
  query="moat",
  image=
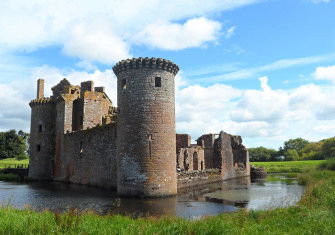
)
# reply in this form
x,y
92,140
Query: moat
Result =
x,y
228,196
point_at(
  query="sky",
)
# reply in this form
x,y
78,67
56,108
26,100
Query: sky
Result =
x,y
262,69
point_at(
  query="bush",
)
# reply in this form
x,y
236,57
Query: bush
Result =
x,y
21,157
328,165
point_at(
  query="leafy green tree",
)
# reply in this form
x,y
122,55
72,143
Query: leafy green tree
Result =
x,y
312,151
328,148
262,154
292,155
297,144
290,145
13,144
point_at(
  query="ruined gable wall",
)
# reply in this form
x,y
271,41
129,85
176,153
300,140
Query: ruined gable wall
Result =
x,y
234,156
89,157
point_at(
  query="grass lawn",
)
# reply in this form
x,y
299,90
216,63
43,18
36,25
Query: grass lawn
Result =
x,y
314,214
289,166
12,162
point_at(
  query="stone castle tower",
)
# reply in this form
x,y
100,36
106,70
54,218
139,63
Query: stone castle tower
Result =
x,y
146,136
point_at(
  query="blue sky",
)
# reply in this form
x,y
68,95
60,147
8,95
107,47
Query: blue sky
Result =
x,y
262,69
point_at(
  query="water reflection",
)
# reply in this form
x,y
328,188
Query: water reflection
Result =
x,y
196,202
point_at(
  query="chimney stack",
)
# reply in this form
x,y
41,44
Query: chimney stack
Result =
x,y
40,88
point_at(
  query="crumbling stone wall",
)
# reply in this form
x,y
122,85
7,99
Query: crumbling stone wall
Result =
x,y
195,178
89,157
233,155
207,142
191,159
182,141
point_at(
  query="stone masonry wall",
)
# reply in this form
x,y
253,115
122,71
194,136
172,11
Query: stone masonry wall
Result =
x,y
146,127
207,142
190,159
196,178
89,157
42,139
234,156
182,141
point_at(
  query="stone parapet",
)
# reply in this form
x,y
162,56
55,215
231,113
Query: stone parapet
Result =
x,y
155,63
41,101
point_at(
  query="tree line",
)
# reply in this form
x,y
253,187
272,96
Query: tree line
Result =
x,y
295,150
14,144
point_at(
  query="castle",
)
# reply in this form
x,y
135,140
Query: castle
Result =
x,y
78,136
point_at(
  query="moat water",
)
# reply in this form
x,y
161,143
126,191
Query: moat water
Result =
x,y
228,196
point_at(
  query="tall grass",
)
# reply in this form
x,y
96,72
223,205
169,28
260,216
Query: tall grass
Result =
x,y
314,214
328,165
9,177
12,162
289,166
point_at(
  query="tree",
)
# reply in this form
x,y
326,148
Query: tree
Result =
x,y
262,154
328,148
312,151
292,148
292,155
297,144
13,144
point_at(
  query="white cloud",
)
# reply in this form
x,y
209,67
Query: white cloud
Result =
x,y
171,36
319,1
96,42
244,73
104,30
325,73
230,32
263,117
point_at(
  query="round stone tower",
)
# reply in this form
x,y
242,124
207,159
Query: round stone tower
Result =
x,y
146,135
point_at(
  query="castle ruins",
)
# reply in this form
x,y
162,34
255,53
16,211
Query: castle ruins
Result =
x,y
78,136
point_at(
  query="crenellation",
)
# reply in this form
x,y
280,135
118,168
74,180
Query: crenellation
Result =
x,y
78,136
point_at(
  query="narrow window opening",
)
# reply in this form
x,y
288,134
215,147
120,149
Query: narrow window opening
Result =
x,y
40,128
81,120
73,91
149,140
124,84
38,148
158,82
81,147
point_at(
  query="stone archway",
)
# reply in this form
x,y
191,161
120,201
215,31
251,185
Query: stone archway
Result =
x,y
195,161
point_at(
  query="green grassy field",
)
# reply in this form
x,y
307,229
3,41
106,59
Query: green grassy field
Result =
x,y
314,214
289,166
12,162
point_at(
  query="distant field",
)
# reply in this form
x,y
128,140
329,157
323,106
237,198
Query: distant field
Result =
x,y
289,166
12,162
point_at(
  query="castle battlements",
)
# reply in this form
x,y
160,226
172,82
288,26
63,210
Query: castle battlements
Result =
x,y
138,63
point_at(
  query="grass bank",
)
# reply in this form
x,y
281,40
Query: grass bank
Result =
x,y
314,214
289,166
10,177
13,162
